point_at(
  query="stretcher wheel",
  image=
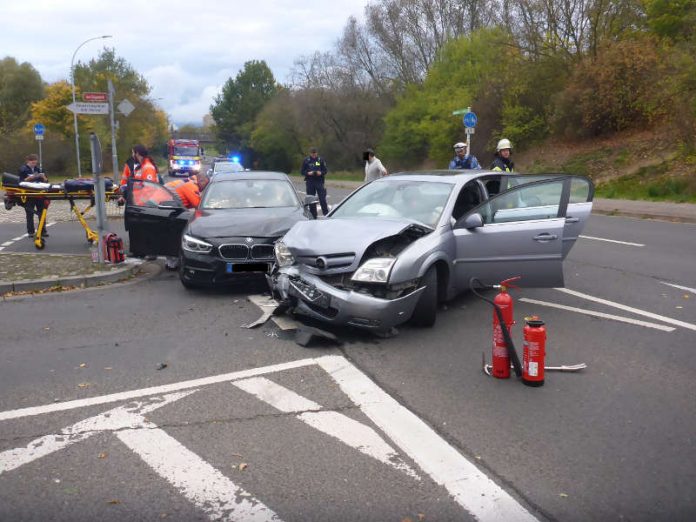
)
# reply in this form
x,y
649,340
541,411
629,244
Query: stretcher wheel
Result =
x,y
39,244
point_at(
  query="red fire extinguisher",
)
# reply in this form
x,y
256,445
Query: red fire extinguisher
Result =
x,y
534,351
501,354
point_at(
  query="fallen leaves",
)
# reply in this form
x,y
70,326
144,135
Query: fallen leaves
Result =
x,y
83,365
103,455
243,466
84,385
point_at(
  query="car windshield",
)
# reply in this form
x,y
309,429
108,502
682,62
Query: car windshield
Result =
x,y
249,193
227,167
186,151
421,201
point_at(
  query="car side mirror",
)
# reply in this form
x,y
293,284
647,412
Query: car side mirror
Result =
x,y
310,200
474,220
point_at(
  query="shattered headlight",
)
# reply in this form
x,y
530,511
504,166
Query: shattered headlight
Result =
x,y
374,270
192,244
283,255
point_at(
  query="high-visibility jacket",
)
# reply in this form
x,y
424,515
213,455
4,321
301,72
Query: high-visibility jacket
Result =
x,y
128,170
187,190
501,164
146,171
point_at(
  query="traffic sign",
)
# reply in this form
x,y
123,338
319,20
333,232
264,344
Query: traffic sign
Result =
x,y
39,137
88,108
125,107
469,130
95,96
470,120
39,129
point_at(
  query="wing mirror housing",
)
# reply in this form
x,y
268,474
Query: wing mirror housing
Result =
x,y
474,220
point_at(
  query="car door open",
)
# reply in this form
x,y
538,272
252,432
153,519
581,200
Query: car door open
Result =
x,y
155,219
520,234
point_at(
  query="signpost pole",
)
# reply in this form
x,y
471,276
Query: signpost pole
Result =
x,y
99,192
39,130
40,157
114,152
468,136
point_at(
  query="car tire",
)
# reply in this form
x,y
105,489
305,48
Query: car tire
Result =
x,y
425,313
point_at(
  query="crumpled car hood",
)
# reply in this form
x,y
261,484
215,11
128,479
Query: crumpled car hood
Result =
x,y
334,236
253,222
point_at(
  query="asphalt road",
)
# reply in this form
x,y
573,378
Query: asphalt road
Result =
x,y
371,429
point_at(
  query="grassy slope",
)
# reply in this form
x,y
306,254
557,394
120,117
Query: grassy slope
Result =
x,y
632,165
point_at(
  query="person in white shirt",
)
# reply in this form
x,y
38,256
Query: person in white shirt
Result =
x,y
373,166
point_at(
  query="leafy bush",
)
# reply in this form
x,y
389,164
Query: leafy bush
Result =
x,y
618,90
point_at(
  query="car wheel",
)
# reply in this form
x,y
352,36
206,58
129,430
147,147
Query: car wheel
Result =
x,y
425,312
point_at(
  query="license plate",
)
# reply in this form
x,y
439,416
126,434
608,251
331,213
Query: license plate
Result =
x,y
230,268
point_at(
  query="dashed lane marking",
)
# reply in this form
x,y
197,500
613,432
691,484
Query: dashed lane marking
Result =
x,y
637,311
692,290
612,241
15,239
600,314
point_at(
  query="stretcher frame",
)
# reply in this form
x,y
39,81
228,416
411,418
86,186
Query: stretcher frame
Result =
x,y
20,195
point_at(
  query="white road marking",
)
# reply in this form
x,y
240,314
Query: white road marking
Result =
x,y
692,290
202,484
155,390
662,318
15,239
469,486
347,430
599,314
612,241
112,420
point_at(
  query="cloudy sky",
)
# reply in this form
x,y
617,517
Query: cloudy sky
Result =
x,y
186,50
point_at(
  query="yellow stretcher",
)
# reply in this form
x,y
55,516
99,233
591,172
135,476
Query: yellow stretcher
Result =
x,y
20,195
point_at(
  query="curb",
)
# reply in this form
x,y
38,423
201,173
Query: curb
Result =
x,y
85,281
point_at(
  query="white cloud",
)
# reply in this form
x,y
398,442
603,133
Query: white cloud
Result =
x,y
185,50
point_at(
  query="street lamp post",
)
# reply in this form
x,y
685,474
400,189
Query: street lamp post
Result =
x,y
72,75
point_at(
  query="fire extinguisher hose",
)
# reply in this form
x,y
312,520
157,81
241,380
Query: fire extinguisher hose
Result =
x,y
509,345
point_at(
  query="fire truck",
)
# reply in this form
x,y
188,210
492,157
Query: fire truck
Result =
x,y
184,157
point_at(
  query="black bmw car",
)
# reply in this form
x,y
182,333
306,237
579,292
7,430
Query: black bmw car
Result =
x,y
232,232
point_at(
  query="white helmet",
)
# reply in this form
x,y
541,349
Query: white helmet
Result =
x,y
459,145
503,144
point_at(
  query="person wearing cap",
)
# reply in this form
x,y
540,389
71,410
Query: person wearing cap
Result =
x,y
502,161
373,166
314,170
463,160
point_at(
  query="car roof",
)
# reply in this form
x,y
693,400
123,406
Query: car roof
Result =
x,y
249,174
446,176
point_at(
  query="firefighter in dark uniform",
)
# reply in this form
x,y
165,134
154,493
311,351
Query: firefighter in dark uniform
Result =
x,y
314,170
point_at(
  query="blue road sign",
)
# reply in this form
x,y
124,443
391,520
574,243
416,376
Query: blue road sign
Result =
x,y
39,129
470,119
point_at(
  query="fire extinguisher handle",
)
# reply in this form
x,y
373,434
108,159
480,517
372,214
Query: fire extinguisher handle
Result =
x,y
508,282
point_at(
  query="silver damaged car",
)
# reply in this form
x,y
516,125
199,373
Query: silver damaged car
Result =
x,y
397,247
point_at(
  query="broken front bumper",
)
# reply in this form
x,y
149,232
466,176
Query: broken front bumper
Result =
x,y
318,299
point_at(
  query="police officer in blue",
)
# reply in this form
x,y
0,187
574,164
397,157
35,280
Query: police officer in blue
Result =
x,y
314,169
462,160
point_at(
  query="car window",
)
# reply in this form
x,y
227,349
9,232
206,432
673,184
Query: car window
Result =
x,y
147,194
580,190
421,201
249,193
526,203
468,198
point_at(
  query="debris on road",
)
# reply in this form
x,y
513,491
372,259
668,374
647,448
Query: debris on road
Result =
x,y
161,366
